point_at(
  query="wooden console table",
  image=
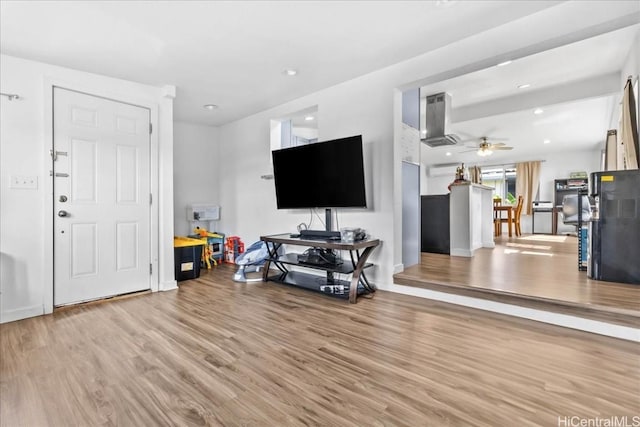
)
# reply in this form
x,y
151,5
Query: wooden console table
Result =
x,y
359,284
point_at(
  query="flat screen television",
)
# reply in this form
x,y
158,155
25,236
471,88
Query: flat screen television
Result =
x,y
326,174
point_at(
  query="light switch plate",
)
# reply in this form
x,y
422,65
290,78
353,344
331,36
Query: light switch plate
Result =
x,y
24,182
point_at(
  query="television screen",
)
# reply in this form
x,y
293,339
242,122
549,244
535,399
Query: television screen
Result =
x,y
322,175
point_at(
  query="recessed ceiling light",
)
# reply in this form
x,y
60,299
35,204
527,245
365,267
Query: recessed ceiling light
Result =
x,y
502,64
524,86
210,106
290,71
309,118
424,131
546,141
448,153
538,111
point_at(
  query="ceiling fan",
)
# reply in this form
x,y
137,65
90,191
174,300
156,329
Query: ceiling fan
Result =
x,y
486,148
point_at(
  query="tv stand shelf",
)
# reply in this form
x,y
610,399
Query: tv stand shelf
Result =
x,y
359,284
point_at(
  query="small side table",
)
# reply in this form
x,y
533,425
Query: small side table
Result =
x,y
554,218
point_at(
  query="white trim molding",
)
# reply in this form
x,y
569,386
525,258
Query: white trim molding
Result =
x,y
558,319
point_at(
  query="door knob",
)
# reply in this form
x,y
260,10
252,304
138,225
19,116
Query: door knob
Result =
x,y
62,213
63,199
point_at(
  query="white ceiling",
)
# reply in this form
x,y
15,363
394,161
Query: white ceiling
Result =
x,y
233,53
578,87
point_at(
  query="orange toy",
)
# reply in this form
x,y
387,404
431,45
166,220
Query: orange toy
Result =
x,y
232,248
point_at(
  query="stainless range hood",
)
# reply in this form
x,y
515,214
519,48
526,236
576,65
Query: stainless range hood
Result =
x,y
434,121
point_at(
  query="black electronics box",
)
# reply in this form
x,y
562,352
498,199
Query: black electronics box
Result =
x,y
317,256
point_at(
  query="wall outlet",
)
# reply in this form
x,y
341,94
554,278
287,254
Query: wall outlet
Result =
x,y
24,182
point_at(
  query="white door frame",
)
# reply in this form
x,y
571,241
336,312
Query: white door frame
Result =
x,y
48,207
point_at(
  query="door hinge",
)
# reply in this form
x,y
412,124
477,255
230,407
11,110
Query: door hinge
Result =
x,y
150,268
150,198
150,128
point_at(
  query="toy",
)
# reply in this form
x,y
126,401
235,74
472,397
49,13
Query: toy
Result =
x,y
232,249
212,252
251,261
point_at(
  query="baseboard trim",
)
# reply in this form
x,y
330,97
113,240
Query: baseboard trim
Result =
x,y
558,319
489,244
461,252
169,285
398,268
21,313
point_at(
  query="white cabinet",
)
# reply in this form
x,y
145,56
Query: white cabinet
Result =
x,y
470,218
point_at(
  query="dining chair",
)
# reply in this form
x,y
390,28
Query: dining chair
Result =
x,y
497,224
515,218
518,212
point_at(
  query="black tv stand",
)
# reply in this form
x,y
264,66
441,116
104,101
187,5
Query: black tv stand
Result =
x,y
359,284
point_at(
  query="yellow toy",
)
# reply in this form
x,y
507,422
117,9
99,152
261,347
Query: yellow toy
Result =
x,y
207,254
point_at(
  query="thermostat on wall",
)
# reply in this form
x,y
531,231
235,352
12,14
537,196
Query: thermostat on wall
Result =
x,y
203,213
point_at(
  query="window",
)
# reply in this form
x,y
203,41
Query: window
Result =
x,y
503,179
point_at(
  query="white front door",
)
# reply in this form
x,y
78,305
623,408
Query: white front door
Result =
x,y
101,176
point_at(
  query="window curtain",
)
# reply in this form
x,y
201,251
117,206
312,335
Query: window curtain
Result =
x,y
527,183
629,129
611,151
475,174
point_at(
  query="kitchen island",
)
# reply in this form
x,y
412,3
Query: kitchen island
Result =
x,y
470,218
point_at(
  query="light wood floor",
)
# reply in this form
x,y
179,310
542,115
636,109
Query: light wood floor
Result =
x,y
220,353
539,268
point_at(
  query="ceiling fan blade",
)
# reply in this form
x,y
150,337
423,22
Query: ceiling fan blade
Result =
x,y
502,148
498,144
497,138
468,151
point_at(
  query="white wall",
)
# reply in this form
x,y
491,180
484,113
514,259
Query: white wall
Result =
x,y
631,67
437,184
371,105
559,166
26,282
344,110
196,165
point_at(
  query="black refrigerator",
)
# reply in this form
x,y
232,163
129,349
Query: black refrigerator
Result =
x,y
615,228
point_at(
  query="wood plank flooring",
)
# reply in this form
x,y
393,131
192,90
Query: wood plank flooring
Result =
x,y
537,271
220,353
